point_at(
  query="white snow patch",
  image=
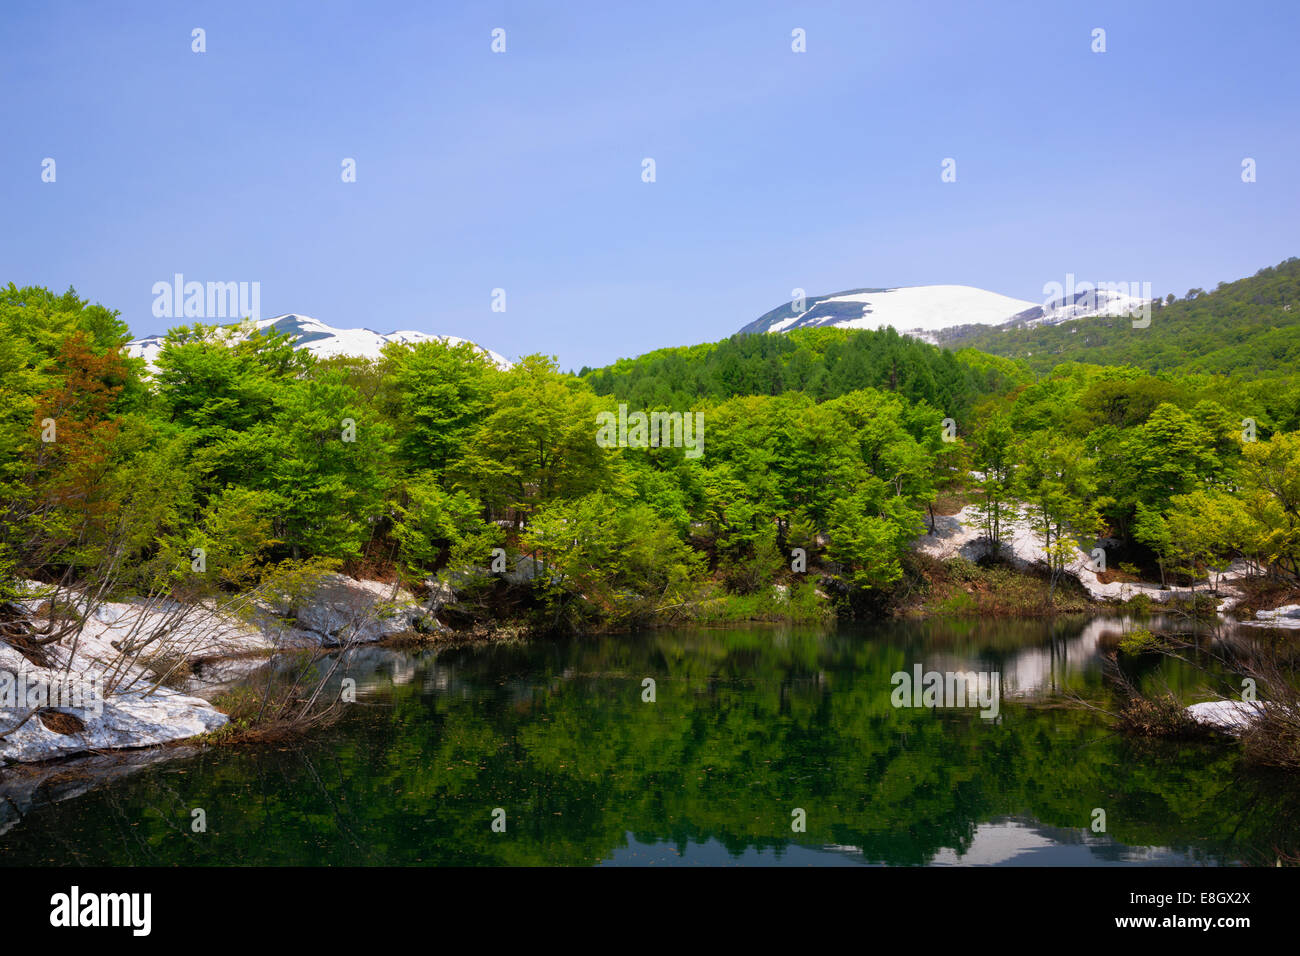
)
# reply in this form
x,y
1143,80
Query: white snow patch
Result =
x,y
960,535
136,713
930,308
323,341
1232,716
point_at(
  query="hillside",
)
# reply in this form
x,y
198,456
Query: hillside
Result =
x,y
1249,328
823,363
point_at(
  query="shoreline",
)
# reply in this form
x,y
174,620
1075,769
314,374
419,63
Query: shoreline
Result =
x,y
950,580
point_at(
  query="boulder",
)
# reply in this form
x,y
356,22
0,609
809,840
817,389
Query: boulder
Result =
x,y
526,569
344,609
440,594
75,717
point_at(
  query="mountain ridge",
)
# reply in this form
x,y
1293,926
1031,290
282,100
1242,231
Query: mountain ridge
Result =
x,y
321,339
928,311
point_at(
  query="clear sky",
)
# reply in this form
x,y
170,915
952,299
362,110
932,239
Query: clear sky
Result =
x,y
523,170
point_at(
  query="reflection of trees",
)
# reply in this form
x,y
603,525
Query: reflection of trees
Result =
x,y
748,725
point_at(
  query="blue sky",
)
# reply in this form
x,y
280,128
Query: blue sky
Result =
x,y
522,170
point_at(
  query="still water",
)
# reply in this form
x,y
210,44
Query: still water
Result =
x,y
762,746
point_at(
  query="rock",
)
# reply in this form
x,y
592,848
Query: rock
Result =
x,y
833,585
440,594
137,717
526,569
345,610
428,624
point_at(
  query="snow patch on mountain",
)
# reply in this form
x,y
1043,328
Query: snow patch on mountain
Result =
x,y
910,309
1081,305
323,341
923,311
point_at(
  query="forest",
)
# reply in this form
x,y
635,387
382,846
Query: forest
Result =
x,y
830,444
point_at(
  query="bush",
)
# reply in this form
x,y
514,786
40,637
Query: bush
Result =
x,y
1161,716
1139,641
799,604
1139,604
609,558
752,574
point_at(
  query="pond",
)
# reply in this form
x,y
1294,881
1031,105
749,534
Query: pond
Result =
x,y
761,746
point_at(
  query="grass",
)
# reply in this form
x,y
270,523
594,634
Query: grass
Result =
x,y
963,588
800,604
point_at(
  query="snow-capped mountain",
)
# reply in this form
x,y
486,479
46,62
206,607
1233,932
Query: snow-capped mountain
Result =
x,y
927,310
323,341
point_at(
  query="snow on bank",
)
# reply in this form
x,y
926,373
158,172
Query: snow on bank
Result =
x,y
1286,616
114,693
1230,716
135,718
960,535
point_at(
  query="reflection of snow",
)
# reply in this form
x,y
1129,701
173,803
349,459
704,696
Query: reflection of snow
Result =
x,y
1015,841
995,843
1035,671
1025,842
1286,616
1041,669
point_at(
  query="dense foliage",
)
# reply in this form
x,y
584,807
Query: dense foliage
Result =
x,y
821,451
249,452
1187,472
821,363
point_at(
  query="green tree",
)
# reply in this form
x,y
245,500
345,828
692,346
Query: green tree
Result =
x,y
1271,493
620,556
436,396
1056,481
537,445
995,460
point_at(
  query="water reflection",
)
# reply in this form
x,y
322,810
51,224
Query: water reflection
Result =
x,y
747,726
